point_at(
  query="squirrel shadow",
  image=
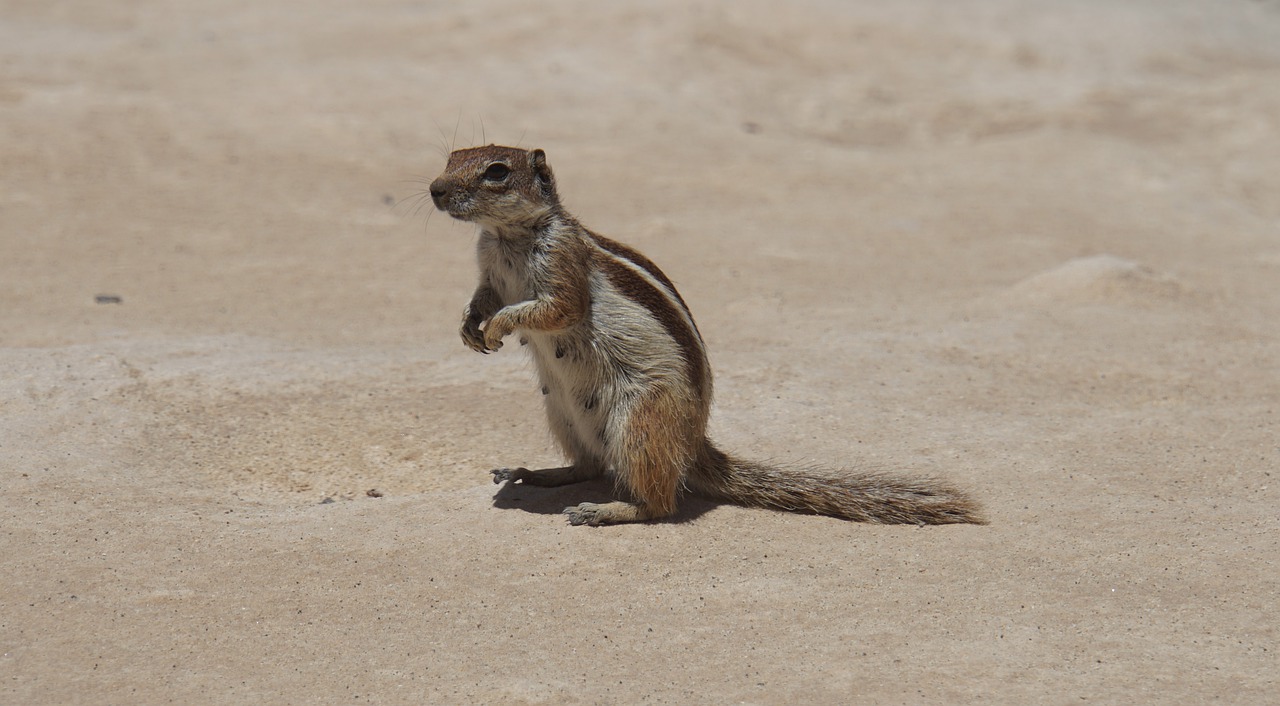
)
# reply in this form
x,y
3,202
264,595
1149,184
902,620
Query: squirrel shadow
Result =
x,y
553,501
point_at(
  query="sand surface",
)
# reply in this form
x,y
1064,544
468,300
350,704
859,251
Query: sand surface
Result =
x,y
1030,246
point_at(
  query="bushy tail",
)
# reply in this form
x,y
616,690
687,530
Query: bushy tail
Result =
x,y
859,496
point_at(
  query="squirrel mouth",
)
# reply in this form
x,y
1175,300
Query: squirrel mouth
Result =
x,y
462,212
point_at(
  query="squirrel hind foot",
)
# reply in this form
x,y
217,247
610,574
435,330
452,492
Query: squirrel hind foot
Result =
x,y
509,475
584,514
596,514
547,477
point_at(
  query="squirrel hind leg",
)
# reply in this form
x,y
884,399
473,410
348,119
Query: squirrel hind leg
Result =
x,y
548,477
652,449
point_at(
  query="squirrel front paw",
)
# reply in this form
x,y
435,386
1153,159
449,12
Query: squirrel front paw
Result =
x,y
472,336
497,329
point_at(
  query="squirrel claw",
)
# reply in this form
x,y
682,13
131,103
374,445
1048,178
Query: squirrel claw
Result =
x,y
508,475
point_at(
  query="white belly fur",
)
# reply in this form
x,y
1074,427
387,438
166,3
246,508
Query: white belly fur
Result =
x,y
609,359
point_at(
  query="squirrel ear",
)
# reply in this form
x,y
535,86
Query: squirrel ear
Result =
x,y
542,173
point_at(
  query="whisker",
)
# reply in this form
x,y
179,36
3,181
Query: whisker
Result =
x,y
415,197
417,200
443,145
421,204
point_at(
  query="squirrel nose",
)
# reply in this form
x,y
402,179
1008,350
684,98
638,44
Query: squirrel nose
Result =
x,y
439,190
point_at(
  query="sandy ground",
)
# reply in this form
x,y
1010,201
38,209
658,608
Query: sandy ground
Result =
x,y
1029,246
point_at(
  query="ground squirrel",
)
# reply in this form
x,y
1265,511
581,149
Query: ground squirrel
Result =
x,y
624,372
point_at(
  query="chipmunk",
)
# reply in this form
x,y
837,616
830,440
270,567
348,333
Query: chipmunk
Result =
x,y
623,367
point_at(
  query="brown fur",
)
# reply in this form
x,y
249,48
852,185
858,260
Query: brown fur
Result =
x,y
627,252
639,290
624,370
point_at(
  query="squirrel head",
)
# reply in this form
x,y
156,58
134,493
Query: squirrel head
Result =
x,y
499,186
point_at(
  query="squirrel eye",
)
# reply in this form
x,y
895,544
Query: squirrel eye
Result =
x,y
496,172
